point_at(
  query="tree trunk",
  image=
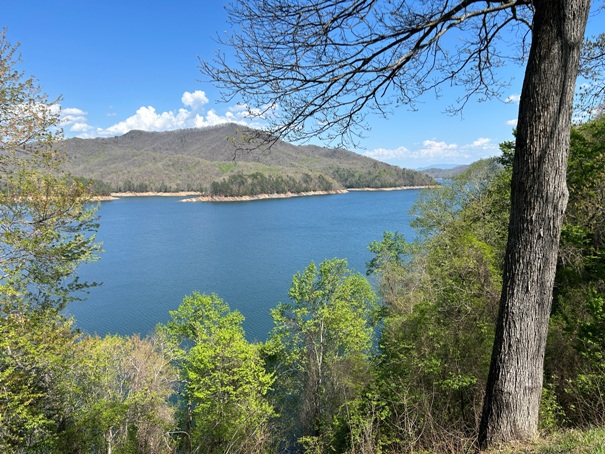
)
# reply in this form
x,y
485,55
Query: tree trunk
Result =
x,y
538,201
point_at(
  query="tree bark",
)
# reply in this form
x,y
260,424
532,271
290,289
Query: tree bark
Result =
x,y
538,201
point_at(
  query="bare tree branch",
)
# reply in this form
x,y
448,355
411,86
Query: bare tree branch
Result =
x,y
316,68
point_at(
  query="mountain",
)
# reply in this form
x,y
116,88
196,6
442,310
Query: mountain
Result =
x,y
444,172
438,166
225,160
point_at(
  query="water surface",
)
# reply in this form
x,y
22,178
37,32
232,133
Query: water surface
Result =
x,y
157,250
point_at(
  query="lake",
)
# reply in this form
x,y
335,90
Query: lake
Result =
x,y
158,249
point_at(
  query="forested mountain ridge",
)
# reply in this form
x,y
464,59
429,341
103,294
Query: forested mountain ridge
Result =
x,y
445,173
224,160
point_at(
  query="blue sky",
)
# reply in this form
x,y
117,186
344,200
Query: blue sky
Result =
x,y
131,64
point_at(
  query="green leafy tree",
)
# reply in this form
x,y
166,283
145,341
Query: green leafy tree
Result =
x,y
46,231
225,384
117,396
46,221
33,356
320,348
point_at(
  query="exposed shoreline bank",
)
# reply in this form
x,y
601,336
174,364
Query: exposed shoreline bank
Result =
x,y
119,195
198,197
248,198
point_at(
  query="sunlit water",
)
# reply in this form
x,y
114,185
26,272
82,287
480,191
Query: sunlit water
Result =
x,y
157,250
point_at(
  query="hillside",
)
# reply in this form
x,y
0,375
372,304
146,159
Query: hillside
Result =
x,y
223,160
445,174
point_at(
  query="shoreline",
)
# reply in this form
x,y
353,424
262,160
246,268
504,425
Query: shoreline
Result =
x,y
249,198
198,197
155,194
119,195
396,188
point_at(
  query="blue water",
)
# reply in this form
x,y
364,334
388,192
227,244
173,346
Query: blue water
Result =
x,y
157,250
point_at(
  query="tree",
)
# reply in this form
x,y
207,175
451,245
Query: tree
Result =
x,y
440,297
47,222
225,383
46,231
325,63
538,201
34,353
320,347
117,393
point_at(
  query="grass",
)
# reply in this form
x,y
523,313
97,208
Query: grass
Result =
x,y
591,441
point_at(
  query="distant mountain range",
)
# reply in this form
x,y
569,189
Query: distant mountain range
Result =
x,y
225,160
444,172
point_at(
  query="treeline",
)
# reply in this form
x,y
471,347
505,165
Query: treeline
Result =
x,y
143,186
380,177
239,184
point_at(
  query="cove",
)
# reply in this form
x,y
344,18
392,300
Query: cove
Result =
x,y
157,250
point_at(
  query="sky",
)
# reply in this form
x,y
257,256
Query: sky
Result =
x,y
131,64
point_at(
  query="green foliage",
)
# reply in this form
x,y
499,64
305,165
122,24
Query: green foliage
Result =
x,y
480,191
575,366
46,223
257,183
574,441
379,177
33,356
391,251
61,394
225,383
64,394
440,296
551,412
508,152
320,349
117,396
226,167
46,232
585,177
96,187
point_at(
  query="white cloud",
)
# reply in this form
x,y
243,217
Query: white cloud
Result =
x,y
74,120
383,154
195,100
245,111
513,99
72,111
80,127
213,119
432,151
512,122
482,143
147,118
